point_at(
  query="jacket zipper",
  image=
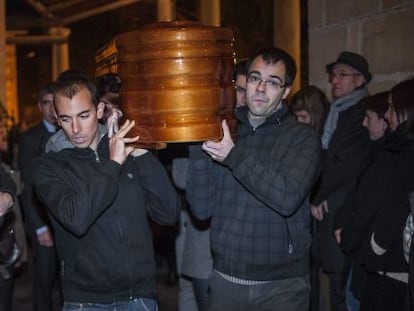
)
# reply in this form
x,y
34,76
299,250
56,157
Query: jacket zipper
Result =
x,y
97,159
289,238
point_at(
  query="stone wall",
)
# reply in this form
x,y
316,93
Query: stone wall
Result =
x,y
381,30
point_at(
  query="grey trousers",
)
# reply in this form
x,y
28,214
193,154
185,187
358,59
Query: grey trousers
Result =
x,y
280,295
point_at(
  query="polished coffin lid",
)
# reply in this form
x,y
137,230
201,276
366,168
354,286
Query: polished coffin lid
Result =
x,y
176,79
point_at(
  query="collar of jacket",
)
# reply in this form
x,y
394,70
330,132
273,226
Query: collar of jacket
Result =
x,y
59,140
398,140
275,118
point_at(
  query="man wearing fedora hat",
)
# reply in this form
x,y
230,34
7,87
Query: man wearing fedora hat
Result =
x,y
345,142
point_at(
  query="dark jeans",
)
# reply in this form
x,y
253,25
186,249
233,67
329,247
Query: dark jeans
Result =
x,y
138,304
352,303
6,291
337,291
281,295
200,287
315,269
46,278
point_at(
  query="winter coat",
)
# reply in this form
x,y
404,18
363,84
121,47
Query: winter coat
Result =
x,y
99,212
258,198
343,159
392,205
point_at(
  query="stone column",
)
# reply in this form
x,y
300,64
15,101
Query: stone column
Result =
x,y
2,51
165,10
210,12
60,51
11,82
287,36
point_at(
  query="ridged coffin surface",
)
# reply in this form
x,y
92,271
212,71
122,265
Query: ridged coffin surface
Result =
x,y
176,79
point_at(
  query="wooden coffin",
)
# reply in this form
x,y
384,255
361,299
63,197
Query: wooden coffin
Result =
x,y
176,79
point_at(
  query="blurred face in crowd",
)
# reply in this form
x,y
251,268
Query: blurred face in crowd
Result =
x,y
78,117
265,88
47,108
240,87
375,125
392,117
303,116
344,80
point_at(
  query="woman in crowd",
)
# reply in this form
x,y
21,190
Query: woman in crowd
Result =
x,y
388,199
310,105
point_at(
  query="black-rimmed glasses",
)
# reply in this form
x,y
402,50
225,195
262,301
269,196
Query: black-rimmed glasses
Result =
x,y
341,75
272,83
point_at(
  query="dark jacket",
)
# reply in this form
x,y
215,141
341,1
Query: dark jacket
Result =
x,y
354,217
99,213
347,150
260,227
356,214
343,159
397,169
31,145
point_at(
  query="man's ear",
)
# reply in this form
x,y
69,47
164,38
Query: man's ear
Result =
x,y
100,110
360,80
286,92
56,116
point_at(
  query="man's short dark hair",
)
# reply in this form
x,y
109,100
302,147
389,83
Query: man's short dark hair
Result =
x,y
378,103
402,95
70,82
46,89
273,55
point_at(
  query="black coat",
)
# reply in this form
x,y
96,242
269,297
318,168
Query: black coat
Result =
x,y
343,160
390,202
355,215
31,146
99,212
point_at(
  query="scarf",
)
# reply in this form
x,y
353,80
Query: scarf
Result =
x,y
338,105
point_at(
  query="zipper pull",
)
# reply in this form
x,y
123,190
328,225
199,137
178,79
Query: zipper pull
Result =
x,y
289,238
97,160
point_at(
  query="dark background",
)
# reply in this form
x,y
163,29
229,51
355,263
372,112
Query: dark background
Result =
x,y
251,22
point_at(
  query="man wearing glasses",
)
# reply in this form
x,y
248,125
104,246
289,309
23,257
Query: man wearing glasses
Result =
x,y
345,143
255,191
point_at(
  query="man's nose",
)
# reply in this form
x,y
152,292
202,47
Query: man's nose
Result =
x,y
261,86
75,126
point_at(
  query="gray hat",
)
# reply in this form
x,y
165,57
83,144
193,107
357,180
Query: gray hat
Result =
x,y
354,60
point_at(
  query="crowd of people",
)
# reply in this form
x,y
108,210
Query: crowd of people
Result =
x,y
308,187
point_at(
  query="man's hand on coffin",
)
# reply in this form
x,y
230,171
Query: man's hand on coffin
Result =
x,y
218,151
118,143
